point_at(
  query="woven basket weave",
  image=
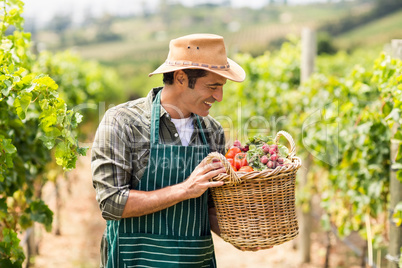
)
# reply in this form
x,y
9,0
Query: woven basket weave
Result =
x,y
257,209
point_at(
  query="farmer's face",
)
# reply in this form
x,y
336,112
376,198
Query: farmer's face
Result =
x,y
207,90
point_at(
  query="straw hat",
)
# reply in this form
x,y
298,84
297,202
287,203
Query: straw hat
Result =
x,y
201,51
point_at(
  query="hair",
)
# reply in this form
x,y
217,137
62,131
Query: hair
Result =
x,y
192,75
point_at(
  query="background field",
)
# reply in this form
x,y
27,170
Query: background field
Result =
x,y
135,46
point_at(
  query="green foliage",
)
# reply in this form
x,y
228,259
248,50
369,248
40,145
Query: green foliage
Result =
x,y
325,44
341,116
256,151
39,212
342,63
83,83
355,134
33,120
259,104
11,255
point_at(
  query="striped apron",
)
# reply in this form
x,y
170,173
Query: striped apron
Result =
x,y
178,236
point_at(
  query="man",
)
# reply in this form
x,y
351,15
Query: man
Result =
x,y
147,162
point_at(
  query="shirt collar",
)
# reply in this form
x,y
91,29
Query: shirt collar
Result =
x,y
150,99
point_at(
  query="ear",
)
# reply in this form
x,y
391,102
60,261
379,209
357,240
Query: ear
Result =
x,y
180,78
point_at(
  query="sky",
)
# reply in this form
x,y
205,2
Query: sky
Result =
x,y
43,10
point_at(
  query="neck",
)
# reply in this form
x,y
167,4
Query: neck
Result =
x,y
171,101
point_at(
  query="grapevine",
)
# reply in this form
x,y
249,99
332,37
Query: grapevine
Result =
x,y
33,120
343,118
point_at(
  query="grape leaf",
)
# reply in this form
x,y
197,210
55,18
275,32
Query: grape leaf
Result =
x,y
41,213
6,90
8,146
21,104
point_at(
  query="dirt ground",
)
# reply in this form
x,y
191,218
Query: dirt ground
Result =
x,y
81,227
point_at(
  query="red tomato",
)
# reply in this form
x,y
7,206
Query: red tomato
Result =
x,y
240,160
231,153
231,161
246,169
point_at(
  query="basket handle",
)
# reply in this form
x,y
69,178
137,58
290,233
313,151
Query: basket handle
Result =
x,y
233,177
292,152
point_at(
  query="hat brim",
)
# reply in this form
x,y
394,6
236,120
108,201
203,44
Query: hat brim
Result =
x,y
235,73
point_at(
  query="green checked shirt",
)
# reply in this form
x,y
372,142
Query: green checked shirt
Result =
x,y
122,145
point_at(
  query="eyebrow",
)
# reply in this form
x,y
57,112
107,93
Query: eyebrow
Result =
x,y
215,84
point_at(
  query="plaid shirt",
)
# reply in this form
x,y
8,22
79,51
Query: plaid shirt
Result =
x,y
121,149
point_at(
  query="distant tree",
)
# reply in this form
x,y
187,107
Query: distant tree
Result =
x,y
381,9
386,6
60,23
105,22
325,44
104,29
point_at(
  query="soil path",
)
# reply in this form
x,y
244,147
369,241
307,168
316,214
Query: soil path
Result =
x,y
82,227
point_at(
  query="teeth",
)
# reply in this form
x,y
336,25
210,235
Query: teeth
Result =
x,y
208,103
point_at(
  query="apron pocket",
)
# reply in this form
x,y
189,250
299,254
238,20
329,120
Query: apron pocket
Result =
x,y
150,250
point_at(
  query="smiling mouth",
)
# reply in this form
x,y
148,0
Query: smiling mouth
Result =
x,y
208,103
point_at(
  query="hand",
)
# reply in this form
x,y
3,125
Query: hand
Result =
x,y
199,180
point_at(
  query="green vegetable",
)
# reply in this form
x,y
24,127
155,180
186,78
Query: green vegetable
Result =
x,y
255,151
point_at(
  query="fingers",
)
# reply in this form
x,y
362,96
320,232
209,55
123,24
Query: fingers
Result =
x,y
215,184
209,172
204,168
205,162
212,173
216,163
204,172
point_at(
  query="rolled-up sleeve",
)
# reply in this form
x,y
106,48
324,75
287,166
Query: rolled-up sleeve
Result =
x,y
111,165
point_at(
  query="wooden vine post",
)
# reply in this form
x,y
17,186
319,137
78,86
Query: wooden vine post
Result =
x,y
308,51
395,232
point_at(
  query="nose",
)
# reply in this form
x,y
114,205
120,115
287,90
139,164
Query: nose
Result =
x,y
218,94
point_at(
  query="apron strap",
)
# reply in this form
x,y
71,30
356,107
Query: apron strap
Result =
x,y
202,130
155,115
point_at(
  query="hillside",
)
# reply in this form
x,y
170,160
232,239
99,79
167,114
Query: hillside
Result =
x,y
137,45
376,33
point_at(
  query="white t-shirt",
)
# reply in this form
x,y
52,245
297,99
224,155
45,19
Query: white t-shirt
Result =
x,y
185,128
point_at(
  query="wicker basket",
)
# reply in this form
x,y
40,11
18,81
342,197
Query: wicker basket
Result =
x,y
257,209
